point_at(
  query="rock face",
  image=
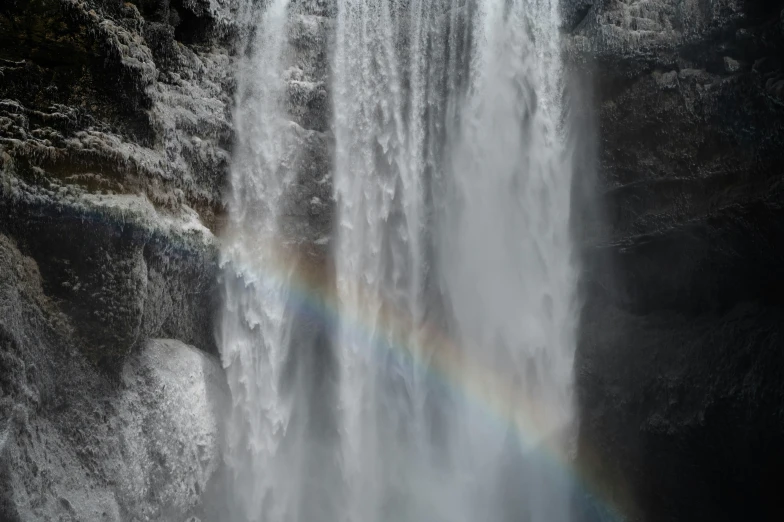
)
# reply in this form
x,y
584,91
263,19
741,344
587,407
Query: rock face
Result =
x,y
114,136
680,363
170,430
115,139
308,206
115,130
118,97
78,445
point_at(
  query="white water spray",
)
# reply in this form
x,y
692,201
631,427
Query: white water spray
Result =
x,y
453,192
253,333
453,187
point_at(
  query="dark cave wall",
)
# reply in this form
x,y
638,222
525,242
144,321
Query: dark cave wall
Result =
x,y
679,367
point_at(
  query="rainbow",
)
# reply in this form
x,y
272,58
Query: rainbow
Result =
x,y
309,283
306,277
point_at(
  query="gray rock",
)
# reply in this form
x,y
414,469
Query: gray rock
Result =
x,y
115,131
731,65
109,97
79,445
675,366
667,80
113,151
169,422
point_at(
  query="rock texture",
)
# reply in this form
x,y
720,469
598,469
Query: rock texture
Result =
x,y
308,207
115,140
114,136
679,367
170,422
79,445
118,97
115,132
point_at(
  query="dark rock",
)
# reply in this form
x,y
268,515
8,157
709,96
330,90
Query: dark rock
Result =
x,y
114,138
679,367
574,13
119,272
101,88
83,445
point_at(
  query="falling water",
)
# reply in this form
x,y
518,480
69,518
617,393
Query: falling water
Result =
x,y
453,193
454,284
254,331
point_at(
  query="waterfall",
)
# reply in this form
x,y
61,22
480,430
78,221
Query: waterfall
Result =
x,y
454,285
253,334
453,192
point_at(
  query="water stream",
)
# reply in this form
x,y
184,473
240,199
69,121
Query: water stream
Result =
x,y
254,328
453,307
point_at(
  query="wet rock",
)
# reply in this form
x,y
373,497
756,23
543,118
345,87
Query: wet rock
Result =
x,y
574,13
119,269
731,65
79,444
102,94
667,80
114,138
169,415
676,368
